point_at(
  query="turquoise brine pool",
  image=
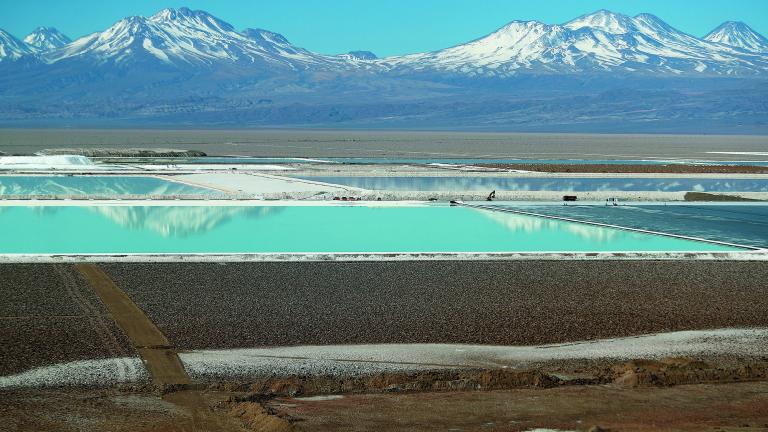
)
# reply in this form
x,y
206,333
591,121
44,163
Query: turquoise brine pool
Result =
x,y
119,229
95,185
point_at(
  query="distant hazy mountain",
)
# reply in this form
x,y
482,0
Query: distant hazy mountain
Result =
x,y
46,39
739,35
601,71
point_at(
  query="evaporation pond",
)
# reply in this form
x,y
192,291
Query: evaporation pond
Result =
x,y
567,184
13,185
122,228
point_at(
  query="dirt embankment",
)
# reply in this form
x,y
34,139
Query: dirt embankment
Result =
x,y
633,169
635,373
703,196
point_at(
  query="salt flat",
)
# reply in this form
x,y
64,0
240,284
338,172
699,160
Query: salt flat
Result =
x,y
392,143
253,183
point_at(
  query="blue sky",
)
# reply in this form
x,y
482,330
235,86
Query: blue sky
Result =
x,y
386,27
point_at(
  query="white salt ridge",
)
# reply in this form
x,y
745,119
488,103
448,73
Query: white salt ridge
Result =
x,y
367,359
45,162
320,398
101,372
342,359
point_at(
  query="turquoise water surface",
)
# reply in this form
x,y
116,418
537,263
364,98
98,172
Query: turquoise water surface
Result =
x,y
740,223
118,229
95,185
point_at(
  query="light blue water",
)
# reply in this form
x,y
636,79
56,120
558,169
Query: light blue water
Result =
x,y
740,224
243,229
548,184
95,185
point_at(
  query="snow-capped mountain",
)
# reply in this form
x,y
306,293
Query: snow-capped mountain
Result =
x,y
183,37
600,42
740,35
45,39
600,72
11,48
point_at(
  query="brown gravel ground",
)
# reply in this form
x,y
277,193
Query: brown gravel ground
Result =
x,y
684,408
632,169
210,305
729,407
48,314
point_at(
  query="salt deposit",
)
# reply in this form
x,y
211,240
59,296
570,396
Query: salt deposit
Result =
x,y
369,359
366,359
45,162
100,372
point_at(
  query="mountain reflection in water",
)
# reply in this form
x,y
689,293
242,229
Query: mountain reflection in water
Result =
x,y
531,225
180,221
95,185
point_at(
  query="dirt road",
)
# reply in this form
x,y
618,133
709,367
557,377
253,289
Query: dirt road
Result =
x,y
163,363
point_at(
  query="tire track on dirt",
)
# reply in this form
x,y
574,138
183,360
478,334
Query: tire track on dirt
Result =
x,y
157,353
163,363
94,315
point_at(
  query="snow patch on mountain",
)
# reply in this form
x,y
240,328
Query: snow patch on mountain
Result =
x,y
358,55
604,20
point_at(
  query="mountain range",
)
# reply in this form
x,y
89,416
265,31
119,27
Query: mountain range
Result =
x,y
599,71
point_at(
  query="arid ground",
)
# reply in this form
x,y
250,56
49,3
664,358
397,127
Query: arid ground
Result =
x,y
56,313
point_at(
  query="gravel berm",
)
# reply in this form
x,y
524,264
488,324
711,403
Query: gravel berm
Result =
x,y
230,305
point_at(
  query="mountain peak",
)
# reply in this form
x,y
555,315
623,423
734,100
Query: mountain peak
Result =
x,y
46,39
735,25
603,19
186,17
10,47
740,35
171,14
517,29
